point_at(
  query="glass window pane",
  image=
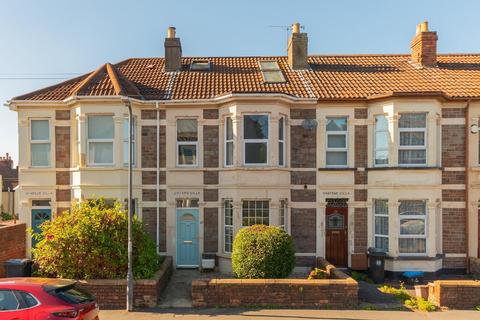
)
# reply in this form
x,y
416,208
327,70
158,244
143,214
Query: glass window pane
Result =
x,y
412,245
101,127
40,130
269,65
273,76
381,157
412,207
281,124
336,158
336,124
256,153
412,120
381,123
412,226
187,130
187,154
336,141
412,156
125,129
40,154
229,129
280,154
126,154
412,138
381,207
381,225
381,140
381,243
8,301
229,153
100,152
255,127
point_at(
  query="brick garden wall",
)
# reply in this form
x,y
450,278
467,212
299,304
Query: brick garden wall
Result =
x,y
13,243
456,294
111,294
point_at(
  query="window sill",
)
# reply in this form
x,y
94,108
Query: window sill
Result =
x,y
414,258
403,168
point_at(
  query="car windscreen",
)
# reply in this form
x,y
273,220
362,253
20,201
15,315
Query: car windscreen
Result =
x,y
72,294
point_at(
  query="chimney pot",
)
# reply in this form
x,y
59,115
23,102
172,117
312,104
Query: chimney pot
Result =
x,y
171,32
296,27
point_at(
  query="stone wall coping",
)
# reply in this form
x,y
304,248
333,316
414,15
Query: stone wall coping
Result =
x,y
456,283
292,282
10,224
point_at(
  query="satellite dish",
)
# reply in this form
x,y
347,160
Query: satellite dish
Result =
x,y
309,124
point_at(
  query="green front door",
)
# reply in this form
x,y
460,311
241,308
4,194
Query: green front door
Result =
x,y
39,216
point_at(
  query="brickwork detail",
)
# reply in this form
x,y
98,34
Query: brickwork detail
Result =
x,y
453,195
453,177
13,239
62,147
453,226
303,147
62,178
303,229
210,177
210,146
360,194
163,147
210,194
453,148
150,177
361,146
360,177
303,113
303,177
152,114
453,113
454,263
456,294
303,195
360,232
62,114
149,146
210,225
149,218
361,113
210,113
303,261
63,195
151,195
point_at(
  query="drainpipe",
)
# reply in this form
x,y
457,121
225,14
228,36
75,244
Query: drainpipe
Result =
x,y
158,178
467,174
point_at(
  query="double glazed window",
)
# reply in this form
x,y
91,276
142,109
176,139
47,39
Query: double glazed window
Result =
x,y
40,143
381,140
228,142
101,133
380,208
125,141
413,139
187,142
281,142
255,212
412,216
337,146
283,214
255,136
228,224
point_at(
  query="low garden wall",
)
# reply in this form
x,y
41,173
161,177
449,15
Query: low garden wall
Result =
x,y
340,291
13,242
455,294
111,294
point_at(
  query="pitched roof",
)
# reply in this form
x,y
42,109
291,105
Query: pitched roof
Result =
x,y
330,77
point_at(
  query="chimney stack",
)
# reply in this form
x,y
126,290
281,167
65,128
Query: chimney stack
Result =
x,y
298,48
173,51
424,46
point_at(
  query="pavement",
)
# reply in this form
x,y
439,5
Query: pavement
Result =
x,y
285,314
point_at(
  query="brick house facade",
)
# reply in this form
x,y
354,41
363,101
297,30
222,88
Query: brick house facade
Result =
x,y
343,152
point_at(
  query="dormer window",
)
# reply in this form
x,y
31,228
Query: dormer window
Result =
x,y
200,65
271,72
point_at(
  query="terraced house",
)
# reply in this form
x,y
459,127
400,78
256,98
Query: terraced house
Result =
x,y
344,152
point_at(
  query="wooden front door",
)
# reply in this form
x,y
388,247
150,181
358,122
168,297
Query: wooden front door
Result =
x,y
336,225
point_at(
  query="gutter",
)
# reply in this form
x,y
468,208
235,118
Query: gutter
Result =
x,y
158,178
467,182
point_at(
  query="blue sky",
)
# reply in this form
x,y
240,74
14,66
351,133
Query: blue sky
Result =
x,y
60,39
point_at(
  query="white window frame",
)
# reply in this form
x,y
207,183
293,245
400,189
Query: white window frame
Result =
x,y
425,142
413,236
375,149
49,141
336,133
245,141
283,208
90,164
183,143
281,140
257,200
227,141
227,226
134,142
375,215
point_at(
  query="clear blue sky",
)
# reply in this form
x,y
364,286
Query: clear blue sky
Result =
x,y
57,39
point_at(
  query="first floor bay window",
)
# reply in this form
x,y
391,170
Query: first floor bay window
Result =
x,y
101,133
283,214
40,143
412,221
187,142
126,155
255,139
228,142
227,225
337,147
412,150
380,222
382,138
255,212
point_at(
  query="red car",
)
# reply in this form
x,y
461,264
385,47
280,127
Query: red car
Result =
x,y
45,299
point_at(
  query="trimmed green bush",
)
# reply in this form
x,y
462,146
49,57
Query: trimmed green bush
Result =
x,y
91,243
261,251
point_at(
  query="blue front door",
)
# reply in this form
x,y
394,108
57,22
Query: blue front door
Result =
x,y
187,238
39,216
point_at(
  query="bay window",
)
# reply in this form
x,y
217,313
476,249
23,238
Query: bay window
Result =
x,y
380,223
228,142
101,133
336,154
283,214
281,142
255,139
412,220
412,150
255,212
381,140
40,143
227,225
187,142
125,141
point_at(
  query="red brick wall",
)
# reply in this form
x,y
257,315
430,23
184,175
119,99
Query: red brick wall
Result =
x,y
210,177
453,195
12,243
302,113
62,147
453,236
210,113
210,146
149,219
210,218
303,195
303,147
456,294
152,114
360,235
453,177
453,113
62,114
453,148
303,177
361,113
303,229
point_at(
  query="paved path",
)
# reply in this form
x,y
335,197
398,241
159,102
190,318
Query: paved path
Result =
x,y
286,314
